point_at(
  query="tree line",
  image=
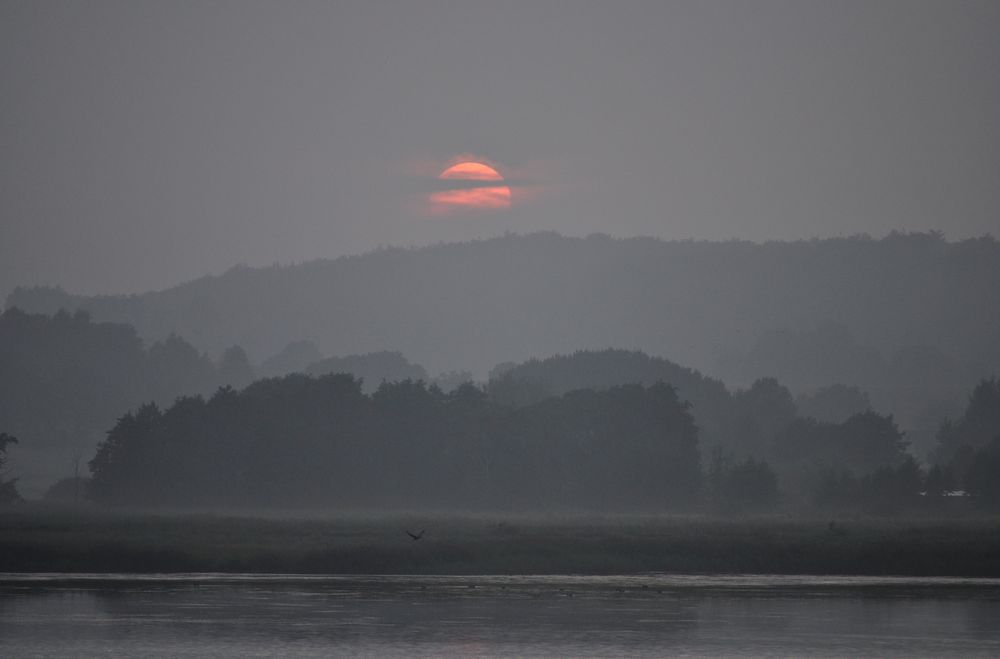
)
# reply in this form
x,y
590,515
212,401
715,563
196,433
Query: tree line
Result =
x,y
321,441
303,441
64,380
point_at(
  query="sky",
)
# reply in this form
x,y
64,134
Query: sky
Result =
x,y
143,144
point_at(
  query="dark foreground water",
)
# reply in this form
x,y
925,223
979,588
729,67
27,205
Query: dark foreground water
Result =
x,y
267,616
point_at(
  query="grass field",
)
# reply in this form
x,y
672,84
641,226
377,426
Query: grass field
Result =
x,y
48,540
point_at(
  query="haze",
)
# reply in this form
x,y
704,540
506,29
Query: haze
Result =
x,y
425,328
145,144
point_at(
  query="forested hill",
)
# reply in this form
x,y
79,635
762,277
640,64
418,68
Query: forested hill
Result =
x,y
473,305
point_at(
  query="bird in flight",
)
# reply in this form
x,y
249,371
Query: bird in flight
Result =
x,y
416,536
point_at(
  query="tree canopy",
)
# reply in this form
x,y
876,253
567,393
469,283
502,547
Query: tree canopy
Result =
x,y
306,441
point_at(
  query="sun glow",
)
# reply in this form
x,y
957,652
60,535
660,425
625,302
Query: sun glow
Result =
x,y
472,189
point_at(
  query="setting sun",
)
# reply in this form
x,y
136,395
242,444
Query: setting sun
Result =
x,y
472,189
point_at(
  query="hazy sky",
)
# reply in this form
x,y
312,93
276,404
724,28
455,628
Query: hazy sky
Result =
x,y
147,143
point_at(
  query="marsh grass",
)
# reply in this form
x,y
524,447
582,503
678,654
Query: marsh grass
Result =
x,y
54,540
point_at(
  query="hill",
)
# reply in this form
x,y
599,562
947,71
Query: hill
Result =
x,y
473,305
65,379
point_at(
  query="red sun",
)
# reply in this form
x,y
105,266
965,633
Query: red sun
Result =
x,y
474,189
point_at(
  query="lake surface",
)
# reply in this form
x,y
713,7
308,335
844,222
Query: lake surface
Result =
x,y
653,615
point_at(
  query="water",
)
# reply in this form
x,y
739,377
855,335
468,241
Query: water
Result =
x,y
289,616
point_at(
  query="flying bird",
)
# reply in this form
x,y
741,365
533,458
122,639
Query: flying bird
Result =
x,y
416,536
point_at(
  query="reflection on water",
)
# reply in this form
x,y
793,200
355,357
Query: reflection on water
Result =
x,y
254,615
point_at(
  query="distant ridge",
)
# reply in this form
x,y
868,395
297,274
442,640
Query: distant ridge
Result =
x,y
473,305
602,369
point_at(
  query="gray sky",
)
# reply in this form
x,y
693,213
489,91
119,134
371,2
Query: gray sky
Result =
x,y
147,143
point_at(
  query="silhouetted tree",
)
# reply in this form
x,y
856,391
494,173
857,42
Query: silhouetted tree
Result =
x,y
886,490
129,463
835,487
821,461
892,489
176,368
761,412
234,368
982,480
939,481
870,440
715,474
749,485
304,441
8,489
975,429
